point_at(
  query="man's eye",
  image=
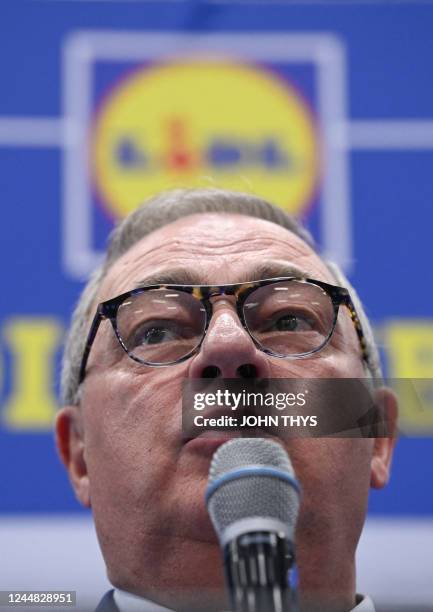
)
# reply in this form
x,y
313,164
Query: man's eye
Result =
x,y
156,335
291,322
152,334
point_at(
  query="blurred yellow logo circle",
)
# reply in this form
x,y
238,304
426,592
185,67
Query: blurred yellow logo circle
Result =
x,y
201,124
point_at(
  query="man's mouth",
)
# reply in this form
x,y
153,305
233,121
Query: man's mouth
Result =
x,y
207,439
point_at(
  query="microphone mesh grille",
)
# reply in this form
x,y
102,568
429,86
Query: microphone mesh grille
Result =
x,y
251,495
249,451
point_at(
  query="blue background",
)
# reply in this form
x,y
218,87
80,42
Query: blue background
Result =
x,y
389,54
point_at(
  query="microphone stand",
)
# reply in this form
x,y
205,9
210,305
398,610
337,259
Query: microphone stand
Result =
x,y
259,566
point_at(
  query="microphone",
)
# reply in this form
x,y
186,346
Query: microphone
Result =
x,y
253,501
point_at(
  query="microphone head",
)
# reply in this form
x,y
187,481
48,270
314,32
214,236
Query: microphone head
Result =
x,y
252,487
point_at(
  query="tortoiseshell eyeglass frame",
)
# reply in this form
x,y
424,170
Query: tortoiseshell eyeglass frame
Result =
x,y
241,291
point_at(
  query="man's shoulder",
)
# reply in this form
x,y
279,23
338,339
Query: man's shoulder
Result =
x,y
107,603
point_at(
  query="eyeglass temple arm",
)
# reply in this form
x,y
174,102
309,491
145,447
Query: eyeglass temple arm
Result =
x,y
90,338
347,301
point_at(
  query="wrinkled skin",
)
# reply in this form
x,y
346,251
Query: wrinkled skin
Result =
x,y
123,445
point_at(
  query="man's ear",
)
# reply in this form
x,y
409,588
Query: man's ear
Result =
x,y
70,445
384,447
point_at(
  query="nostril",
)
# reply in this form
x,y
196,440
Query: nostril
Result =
x,y
247,370
211,372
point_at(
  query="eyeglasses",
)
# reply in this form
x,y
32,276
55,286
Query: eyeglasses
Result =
x,y
161,325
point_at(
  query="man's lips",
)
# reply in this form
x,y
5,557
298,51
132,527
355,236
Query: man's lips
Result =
x,y
209,441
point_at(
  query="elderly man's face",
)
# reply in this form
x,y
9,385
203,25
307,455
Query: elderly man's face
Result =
x,y
124,447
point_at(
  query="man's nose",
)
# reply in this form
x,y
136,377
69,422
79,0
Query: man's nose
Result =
x,y
228,351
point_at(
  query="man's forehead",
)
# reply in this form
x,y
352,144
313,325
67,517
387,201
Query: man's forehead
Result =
x,y
213,248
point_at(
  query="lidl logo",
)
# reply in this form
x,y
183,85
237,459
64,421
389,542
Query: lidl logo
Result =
x,y
204,123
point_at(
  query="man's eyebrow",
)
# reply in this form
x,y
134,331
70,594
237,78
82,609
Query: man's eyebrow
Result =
x,y
175,276
273,269
183,276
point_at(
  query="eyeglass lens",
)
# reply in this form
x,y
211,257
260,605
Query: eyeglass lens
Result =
x,y
288,318
161,325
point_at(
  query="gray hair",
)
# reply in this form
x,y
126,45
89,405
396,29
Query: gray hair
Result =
x,y
162,210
